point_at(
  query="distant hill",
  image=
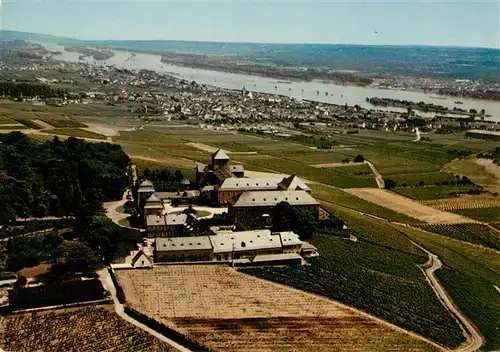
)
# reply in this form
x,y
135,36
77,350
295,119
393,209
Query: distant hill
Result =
x,y
36,37
379,60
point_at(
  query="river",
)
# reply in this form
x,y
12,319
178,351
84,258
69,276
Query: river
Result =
x,y
337,94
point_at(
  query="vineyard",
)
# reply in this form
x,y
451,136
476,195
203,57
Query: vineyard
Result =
x,y
288,334
381,281
226,310
90,328
474,233
464,202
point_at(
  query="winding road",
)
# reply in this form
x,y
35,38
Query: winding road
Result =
x,y
474,340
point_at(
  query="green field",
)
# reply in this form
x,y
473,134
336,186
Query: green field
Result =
x,y
428,178
19,127
75,132
433,192
480,234
27,122
481,214
469,275
61,123
4,120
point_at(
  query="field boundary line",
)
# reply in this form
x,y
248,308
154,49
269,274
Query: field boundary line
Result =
x,y
474,335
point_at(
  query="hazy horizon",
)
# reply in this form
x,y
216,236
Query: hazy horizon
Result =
x,y
471,23
240,42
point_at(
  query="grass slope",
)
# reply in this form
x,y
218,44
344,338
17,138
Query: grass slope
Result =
x,y
76,132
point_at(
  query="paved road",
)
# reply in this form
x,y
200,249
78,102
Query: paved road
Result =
x,y
378,177
105,278
475,340
110,208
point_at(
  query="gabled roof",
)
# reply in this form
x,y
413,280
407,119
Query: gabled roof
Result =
x,y
241,241
289,238
249,184
220,155
176,219
153,199
271,198
237,168
146,183
139,255
293,183
182,243
155,220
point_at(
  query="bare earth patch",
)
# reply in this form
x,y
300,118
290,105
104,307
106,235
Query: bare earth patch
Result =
x,y
106,131
465,201
230,311
407,206
35,270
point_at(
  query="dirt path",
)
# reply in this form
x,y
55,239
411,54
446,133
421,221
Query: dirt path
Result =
x,y
107,283
475,340
378,177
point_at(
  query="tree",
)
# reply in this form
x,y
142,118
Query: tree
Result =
x,y
359,158
103,237
20,282
77,256
389,183
288,218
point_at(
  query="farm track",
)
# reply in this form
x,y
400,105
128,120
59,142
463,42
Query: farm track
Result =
x,y
108,284
475,339
378,177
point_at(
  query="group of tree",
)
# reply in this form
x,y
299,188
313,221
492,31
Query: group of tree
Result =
x,y
13,90
288,218
163,179
59,178
464,181
318,142
494,155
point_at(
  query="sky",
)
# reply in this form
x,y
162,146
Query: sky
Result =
x,y
440,22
